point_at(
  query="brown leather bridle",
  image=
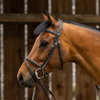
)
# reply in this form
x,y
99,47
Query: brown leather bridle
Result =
x,y
34,74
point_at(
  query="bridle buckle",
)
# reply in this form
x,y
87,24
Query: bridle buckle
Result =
x,y
37,75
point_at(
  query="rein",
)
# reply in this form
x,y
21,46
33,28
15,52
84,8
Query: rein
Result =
x,y
34,74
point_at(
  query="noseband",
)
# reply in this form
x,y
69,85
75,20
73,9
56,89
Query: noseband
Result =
x,y
34,74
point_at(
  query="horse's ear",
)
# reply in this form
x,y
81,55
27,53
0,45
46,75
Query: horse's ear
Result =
x,y
44,16
51,19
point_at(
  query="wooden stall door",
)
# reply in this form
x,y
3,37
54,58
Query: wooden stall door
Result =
x,y
13,49
62,79
85,86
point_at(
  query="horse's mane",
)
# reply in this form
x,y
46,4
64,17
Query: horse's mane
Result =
x,y
44,25
82,25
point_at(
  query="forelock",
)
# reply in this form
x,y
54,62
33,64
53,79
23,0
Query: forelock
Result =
x,y
42,27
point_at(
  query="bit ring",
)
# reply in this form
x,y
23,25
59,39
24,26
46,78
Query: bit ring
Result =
x,y
36,73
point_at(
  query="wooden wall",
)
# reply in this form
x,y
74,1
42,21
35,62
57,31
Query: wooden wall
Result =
x,y
14,20
13,47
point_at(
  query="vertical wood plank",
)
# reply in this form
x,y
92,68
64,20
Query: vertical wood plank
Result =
x,y
62,80
13,48
85,6
0,61
62,83
64,6
85,86
35,6
99,6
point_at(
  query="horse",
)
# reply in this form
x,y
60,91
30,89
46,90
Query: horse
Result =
x,y
60,42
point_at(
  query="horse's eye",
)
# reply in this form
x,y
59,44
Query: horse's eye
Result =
x,y
43,44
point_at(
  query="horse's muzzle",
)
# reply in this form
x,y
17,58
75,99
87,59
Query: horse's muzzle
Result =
x,y
27,83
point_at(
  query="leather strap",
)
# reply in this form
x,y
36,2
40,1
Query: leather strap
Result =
x,y
55,43
59,30
34,78
33,62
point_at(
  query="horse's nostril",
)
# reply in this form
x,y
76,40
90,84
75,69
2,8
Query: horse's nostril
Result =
x,y
20,78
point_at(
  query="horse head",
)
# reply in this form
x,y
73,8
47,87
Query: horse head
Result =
x,y
42,54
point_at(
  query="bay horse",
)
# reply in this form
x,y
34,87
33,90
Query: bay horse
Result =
x,y
60,42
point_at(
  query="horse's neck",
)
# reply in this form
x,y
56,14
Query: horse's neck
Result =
x,y
85,45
